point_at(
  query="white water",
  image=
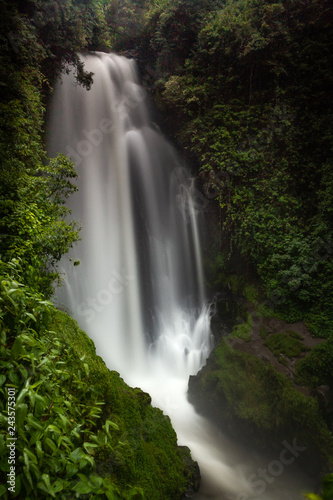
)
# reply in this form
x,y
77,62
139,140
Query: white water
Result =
x,y
139,289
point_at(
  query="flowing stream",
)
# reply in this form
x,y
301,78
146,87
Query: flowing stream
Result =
x,y
139,289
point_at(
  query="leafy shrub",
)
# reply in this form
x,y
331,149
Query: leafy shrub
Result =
x,y
35,231
57,411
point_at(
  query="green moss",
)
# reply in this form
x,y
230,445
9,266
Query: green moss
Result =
x,y
236,283
244,330
249,394
251,293
281,359
286,344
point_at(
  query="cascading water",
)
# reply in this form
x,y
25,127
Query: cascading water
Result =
x,y
139,289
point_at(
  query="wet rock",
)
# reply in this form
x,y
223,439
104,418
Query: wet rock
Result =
x,y
191,472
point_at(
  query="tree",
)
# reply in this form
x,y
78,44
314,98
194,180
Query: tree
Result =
x,y
36,230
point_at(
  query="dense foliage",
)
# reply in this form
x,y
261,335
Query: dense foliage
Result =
x,y
38,41
80,430
32,193
246,87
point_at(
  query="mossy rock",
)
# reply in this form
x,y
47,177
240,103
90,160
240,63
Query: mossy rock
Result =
x,y
252,401
286,344
243,330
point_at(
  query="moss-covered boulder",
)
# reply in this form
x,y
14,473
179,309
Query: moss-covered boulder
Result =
x,y
252,401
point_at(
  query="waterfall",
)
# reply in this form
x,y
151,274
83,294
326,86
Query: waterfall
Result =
x,y
139,289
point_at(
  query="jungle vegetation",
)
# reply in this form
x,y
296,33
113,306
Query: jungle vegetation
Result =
x,y
244,89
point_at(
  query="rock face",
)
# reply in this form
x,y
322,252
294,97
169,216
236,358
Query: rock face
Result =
x,y
250,400
209,399
191,472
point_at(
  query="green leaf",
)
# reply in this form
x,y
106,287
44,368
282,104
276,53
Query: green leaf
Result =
x,y
21,413
32,456
21,395
71,469
53,428
31,316
89,447
45,485
28,475
108,424
14,378
2,444
57,486
3,337
83,488
2,379
39,449
77,454
51,444
96,481
24,372
111,495
31,420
